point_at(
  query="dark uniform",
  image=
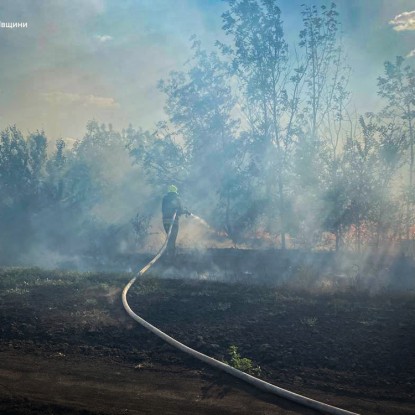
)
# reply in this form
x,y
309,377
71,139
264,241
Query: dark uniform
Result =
x,y
171,203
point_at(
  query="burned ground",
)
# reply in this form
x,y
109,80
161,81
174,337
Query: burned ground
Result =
x,y
67,345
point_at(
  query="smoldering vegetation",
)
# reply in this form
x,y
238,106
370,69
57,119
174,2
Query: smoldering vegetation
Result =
x,y
294,270
261,139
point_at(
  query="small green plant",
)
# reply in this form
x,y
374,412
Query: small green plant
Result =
x,y
242,363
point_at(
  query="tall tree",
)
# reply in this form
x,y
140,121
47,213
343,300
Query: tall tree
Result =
x,y
21,162
397,87
54,168
324,104
260,62
199,105
362,203
319,40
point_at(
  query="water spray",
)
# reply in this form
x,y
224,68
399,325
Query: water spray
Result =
x,y
213,231
201,221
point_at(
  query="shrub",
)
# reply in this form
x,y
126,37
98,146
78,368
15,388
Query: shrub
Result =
x,y
242,363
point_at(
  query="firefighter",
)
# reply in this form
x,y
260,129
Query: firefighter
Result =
x,y
171,203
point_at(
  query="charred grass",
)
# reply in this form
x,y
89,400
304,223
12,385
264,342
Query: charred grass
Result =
x,y
332,340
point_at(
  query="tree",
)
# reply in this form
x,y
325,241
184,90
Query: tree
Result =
x,y
318,158
158,154
15,174
397,87
37,148
323,58
386,206
199,105
92,193
22,165
54,168
335,202
361,202
260,62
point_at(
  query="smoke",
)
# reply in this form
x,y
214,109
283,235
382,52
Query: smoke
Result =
x,y
196,233
201,221
81,213
318,273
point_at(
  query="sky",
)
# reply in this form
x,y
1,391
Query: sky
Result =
x,y
101,59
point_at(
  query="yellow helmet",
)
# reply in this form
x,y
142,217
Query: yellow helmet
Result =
x,y
172,189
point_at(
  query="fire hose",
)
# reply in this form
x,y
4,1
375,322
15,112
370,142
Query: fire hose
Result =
x,y
252,380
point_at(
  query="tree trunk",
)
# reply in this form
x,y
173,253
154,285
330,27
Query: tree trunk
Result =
x,y
282,211
409,209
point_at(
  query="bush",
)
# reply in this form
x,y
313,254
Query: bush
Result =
x,y
242,363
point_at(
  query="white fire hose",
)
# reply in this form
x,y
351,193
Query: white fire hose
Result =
x,y
258,383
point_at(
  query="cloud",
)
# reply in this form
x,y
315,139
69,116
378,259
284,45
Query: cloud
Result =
x,y
67,98
411,54
103,38
404,21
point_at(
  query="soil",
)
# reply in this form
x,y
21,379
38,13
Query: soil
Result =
x,y
68,347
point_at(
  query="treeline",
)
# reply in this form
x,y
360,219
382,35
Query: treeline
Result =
x,y
258,136
87,199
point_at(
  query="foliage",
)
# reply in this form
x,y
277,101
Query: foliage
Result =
x,y
242,363
141,226
67,202
317,162
269,101
397,87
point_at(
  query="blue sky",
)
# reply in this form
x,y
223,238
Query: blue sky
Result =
x,y
84,59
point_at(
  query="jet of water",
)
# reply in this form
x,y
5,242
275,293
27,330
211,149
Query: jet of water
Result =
x,y
213,231
201,221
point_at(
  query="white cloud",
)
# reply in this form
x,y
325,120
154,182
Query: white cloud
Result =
x,y
411,54
67,98
404,21
103,38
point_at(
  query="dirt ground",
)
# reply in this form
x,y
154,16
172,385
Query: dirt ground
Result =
x,y
68,347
